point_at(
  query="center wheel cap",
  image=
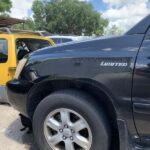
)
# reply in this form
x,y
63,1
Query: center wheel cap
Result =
x,y
67,133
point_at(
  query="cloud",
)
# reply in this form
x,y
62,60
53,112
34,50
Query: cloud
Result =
x,y
125,13
116,2
21,8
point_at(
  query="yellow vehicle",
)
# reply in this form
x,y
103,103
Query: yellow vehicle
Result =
x,y
14,45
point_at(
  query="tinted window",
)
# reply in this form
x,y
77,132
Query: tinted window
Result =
x,y
61,40
57,40
3,51
66,40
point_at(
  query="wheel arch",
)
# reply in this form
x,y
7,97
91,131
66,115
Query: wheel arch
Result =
x,y
101,94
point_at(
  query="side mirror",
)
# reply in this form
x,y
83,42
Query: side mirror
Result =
x,y
21,54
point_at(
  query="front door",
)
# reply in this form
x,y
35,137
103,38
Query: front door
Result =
x,y
141,90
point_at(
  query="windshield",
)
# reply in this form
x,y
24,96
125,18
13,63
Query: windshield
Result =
x,y
61,40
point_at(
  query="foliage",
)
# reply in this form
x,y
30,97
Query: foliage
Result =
x,y
114,30
5,6
28,25
68,17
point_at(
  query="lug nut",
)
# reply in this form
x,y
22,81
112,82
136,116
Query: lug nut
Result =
x,y
71,138
61,130
72,131
64,138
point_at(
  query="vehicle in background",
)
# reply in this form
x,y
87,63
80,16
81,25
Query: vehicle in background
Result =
x,y
14,45
43,33
59,39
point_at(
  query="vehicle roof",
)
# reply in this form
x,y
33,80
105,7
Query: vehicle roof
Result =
x,y
141,27
29,36
74,38
24,35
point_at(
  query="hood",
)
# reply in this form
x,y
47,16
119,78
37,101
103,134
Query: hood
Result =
x,y
103,44
131,40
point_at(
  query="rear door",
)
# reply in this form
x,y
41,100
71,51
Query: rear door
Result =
x,y
141,90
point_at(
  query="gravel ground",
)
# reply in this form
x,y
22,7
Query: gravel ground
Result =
x,y
11,138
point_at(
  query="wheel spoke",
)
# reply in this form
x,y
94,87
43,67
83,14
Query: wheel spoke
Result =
x,y
65,133
79,125
81,141
69,145
54,124
54,140
65,116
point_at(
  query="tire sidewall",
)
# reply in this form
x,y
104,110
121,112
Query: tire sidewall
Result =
x,y
83,105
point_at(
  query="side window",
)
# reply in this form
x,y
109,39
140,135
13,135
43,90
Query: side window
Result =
x,y
56,40
66,40
3,51
21,45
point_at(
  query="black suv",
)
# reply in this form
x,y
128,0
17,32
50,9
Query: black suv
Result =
x,y
91,95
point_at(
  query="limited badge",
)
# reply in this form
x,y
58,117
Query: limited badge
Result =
x,y
113,64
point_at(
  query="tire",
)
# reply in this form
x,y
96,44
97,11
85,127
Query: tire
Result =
x,y
97,129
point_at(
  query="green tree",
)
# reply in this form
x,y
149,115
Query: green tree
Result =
x,y
114,30
5,6
68,17
28,25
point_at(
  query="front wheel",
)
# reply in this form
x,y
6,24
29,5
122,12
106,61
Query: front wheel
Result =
x,y
69,120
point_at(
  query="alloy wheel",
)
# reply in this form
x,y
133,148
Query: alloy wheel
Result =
x,y
65,129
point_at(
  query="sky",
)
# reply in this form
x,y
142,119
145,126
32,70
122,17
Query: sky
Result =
x,y
122,13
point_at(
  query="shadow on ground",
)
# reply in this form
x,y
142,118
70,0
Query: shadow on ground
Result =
x,y
13,132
